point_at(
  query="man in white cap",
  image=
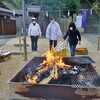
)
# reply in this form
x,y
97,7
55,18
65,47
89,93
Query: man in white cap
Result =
x,y
34,31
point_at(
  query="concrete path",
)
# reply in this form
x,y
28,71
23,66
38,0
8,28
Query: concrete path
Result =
x,y
92,38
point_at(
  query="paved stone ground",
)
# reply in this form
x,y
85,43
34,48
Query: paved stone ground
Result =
x,y
2,42
93,38
4,39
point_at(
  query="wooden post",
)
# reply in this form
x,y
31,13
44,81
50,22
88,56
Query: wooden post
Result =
x,y
98,48
74,17
20,43
2,21
98,42
24,46
24,29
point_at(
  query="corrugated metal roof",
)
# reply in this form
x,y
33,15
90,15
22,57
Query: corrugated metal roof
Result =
x,y
34,8
6,10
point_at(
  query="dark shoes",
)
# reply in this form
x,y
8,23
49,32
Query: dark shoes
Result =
x,y
34,50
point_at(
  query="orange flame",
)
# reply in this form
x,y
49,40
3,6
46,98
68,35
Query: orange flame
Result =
x,y
32,79
51,61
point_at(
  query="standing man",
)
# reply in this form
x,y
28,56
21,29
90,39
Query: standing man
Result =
x,y
34,32
53,31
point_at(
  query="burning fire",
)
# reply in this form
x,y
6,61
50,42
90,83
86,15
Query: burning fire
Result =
x,y
52,63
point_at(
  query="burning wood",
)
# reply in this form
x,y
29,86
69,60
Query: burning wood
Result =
x,y
31,78
52,63
46,80
55,72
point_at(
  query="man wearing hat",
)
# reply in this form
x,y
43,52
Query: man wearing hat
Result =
x,y
34,32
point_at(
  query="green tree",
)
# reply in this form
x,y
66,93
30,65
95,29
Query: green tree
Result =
x,y
95,5
71,5
60,7
13,4
16,4
52,6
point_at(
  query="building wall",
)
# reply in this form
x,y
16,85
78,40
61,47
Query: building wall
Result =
x,y
7,26
7,21
0,26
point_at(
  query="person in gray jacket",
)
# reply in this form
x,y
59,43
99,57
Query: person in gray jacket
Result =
x,y
34,31
53,32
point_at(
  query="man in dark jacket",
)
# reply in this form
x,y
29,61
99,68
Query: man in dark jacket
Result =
x,y
73,37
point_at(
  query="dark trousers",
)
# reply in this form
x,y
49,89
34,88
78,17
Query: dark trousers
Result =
x,y
72,49
52,43
34,40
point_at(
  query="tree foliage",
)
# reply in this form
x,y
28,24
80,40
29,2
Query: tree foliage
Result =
x,y
61,7
71,5
16,4
13,4
54,7
95,5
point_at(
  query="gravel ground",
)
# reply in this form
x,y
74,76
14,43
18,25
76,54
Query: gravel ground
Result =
x,y
16,62
7,70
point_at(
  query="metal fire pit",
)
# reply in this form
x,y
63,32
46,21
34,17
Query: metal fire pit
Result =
x,y
76,90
